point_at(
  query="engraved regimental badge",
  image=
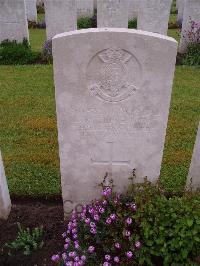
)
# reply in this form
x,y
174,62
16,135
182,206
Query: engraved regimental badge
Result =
x,y
114,83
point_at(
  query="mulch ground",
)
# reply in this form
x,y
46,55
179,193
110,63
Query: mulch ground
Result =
x,y
33,214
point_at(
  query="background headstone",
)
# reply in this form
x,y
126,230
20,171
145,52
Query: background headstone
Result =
x,y
191,12
85,8
181,5
5,203
95,4
13,20
133,9
112,100
31,10
194,172
60,16
153,15
112,13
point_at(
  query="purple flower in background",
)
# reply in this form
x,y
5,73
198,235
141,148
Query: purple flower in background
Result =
x,y
129,254
91,249
76,258
106,263
75,236
129,220
138,244
118,245
69,263
116,259
55,258
107,257
64,235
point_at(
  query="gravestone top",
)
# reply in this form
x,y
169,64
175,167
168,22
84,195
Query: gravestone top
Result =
x,y
13,20
112,13
109,115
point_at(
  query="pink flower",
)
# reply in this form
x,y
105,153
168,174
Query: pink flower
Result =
x,y
133,207
118,245
67,240
92,224
138,244
113,216
106,263
107,257
129,220
72,254
129,254
127,233
104,202
116,259
101,210
108,221
66,246
107,191
83,257
91,249
87,220
55,258
96,217
93,231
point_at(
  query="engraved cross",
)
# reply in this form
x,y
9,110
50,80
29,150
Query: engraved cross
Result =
x,y
111,162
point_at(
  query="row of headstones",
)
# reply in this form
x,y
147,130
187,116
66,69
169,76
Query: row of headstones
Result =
x,y
61,16
110,117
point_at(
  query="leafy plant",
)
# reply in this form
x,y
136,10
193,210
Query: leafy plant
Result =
x,y
132,24
13,53
27,240
169,225
84,23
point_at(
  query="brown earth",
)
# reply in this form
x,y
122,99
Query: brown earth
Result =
x,y
33,214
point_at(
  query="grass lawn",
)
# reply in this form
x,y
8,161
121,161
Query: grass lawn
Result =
x,y
37,38
28,134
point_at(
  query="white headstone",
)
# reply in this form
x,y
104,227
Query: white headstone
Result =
x,y
133,9
95,4
13,21
31,10
60,16
85,8
153,15
5,203
181,5
191,13
112,13
40,2
112,99
194,172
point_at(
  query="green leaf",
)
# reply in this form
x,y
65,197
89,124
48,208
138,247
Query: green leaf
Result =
x,y
190,222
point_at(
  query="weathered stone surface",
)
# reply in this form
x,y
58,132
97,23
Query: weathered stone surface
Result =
x,y
31,10
85,8
95,4
194,172
133,9
112,13
191,12
153,15
5,203
13,21
60,16
180,5
112,98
